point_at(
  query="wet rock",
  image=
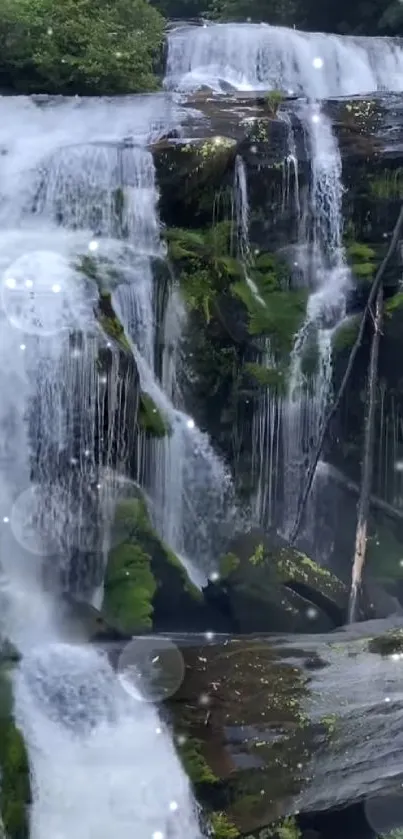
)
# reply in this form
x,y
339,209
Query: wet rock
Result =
x,y
272,587
267,738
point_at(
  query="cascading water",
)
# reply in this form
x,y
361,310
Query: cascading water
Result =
x,y
260,57
100,760
326,274
189,488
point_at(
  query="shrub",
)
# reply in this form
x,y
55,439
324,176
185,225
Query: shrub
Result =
x,y
79,46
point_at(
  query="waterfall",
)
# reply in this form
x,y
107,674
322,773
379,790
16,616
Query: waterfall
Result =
x,y
101,762
261,57
325,273
189,487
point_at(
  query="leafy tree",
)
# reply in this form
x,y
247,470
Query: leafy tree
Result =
x,y
79,46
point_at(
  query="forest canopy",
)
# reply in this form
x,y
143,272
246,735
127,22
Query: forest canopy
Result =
x,y
84,46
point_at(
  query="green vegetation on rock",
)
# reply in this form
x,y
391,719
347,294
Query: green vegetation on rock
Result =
x,y
222,827
281,314
15,793
193,762
150,419
363,260
273,101
79,46
110,322
346,334
139,568
228,563
387,185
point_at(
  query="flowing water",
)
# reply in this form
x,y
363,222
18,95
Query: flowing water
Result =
x,y
101,762
252,56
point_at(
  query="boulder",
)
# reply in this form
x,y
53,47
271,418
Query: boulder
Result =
x,y
270,586
266,736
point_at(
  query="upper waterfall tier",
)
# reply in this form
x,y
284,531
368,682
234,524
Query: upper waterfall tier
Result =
x,y
263,57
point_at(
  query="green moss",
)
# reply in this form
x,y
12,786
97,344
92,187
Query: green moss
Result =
x,y
110,322
388,643
258,556
221,826
138,566
228,563
329,723
150,419
288,828
15,785
193,762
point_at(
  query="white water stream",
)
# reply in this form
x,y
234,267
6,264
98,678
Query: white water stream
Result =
x,y
101,761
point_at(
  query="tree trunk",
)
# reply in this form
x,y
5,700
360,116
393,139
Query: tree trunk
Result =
x,y
371,299
367,464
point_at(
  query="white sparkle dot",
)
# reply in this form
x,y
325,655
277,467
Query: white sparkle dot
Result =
x,y
10,282
98,486
103,379
173,806
204,699
93,245
290,92
395,656
6,519
190,423
209,635
158,835
253,149
22,347
317,63
387,698
311,613
399,466
214,576
109,344
28,283
315,118
56,288
158,730
181,739
401,563
87,453
118,54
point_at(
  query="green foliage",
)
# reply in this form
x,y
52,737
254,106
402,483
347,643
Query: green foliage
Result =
x,y
273,101
288,828
363,258
228,564
79,46
280,318
198,770
205,264
150,418
222,827
14,786
280,12
266,376
345,336
394,304
387,185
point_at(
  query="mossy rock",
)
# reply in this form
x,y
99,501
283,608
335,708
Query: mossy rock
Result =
x,y
251,734
387,644
271,586
110,322
150,419
15,794
146,586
